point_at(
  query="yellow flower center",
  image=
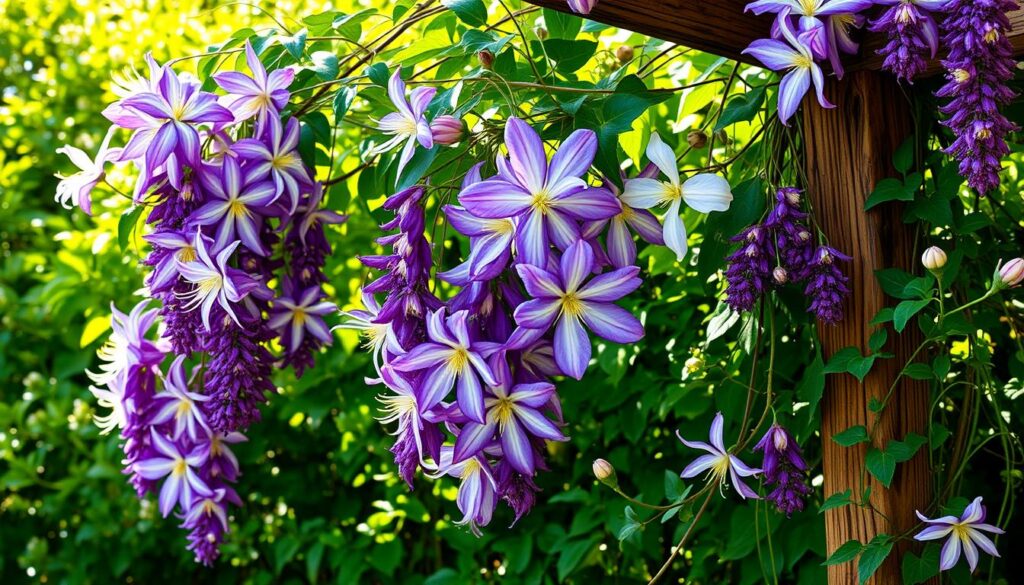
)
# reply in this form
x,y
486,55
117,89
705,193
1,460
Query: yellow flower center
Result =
x,y
209,285
407,127
809,7
299,316
992,35
187,254
541,201
283,161
184,407
503,411
961,75
238,209
626,214
670,193
501,226
802,62
458,360
571,305
179,468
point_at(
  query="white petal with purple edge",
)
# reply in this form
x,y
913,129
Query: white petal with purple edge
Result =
x,y
515,446
612,322
572,346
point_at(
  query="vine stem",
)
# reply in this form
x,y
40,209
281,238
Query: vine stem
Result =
x,y
679,547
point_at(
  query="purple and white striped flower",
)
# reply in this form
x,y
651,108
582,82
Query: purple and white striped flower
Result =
x,y
721,465
275,156
795,57
618,239
182,483
477,495
408,125
294,316
564,299
179,405
704,192
545,199
965,533
448,357
214,282
76,189
237,204
259,95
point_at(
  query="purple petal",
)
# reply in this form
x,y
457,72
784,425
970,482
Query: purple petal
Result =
x,y
236,83
791,92
539,283
775,55
527,158
495,199
537,424
574,157
169,494
933,532
572,346
515,446
422,356
470,395
699,465
436,386
472,438
576,263
950,554
717,425
621,247
612,286
532,240
537,313
589,204
612,322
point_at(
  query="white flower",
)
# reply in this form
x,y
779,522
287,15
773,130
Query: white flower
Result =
x,y
704,192
75,189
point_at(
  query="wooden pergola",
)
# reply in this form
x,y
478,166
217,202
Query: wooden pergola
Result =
x,y
849,149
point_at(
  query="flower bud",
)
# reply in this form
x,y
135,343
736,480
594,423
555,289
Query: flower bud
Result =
x,y
582,6
697,139
541,31
624,54
1012,273
605,473
486,58
780,275
693,364
934,259
447,130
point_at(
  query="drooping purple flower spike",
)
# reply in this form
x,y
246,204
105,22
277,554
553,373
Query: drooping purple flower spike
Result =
x,y
447,357
565,300
408,124
826,286
913,35
182,483
793,56
546,199
259,95
720,464
514,413
965,533
785,468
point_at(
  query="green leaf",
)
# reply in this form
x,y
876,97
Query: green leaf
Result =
x,y
126,225
941,366
889,190
845,553
873,556
294,44
852,436
342,102
905,311
445,576
741,108
877,340
379,74
325,65
880,464
904,450
631,526
836,500
568,55
630,100
919,371
720,323
884,315
571,556
313,557
812,385
938,435
903,158
920,288
561,25
919,569
471,12
849,360
673,486
893,281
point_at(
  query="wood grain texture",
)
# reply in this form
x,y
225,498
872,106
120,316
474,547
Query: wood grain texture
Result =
x,y
848,150
721,27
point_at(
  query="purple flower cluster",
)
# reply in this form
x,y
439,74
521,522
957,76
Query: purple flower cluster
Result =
x,y
232,208
913,35
470,379
781,250
784,467
980,64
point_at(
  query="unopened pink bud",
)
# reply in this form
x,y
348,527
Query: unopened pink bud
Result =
x,y
604,472
1012,273
447,130
780,275
582,6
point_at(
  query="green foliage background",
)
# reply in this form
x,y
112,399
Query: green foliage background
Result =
x,y
323,502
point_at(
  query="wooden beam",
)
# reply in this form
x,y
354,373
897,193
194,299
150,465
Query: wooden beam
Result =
x,y
721,27
849,150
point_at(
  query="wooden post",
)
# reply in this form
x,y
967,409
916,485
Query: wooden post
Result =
x,y
849,149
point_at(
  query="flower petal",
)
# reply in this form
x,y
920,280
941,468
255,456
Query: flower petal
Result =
x,y
950,554
611,286
537,313
515,446
644,193
574,157
662,156
707,192
612,322
792,89
572,346
576,263
470,395
495,199
472,438
527,158
699,465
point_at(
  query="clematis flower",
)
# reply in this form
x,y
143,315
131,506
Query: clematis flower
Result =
x,y
380,337
619,240
582,6
477,491
564,299
75,189
182,482
416,439
514,413
965,532
178,404
809,13
795,57
546,199
311,214
127,347
178,104
276,157
840,41
447,357
720,464
703,192
408,124
215,282
236,205
259,95
180,248
295,316
221,460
